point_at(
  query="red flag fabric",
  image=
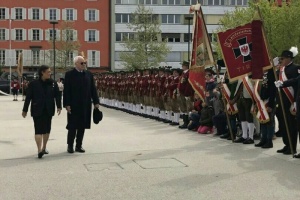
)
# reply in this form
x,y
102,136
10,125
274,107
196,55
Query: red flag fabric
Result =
x,y
201,55
238,51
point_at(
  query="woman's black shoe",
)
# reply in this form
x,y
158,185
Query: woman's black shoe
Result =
x,y
40,155
268,145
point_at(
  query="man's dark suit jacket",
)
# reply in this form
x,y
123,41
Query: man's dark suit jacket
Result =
x,y
41,98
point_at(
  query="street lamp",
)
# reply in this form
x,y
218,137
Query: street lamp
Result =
x,y
189,18
10,55
53,38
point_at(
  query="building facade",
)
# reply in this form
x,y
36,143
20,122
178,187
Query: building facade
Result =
x,y
83,26
174,25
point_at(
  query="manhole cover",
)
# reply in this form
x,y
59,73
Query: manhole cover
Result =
x,y
159,163
102,166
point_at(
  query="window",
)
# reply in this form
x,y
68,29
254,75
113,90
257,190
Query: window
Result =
x,y
52,14
2,13
19,13
148,2
69,35
70,14
70,58
186,37
17,55
123,18
126,1
170,19
2,34
35,34
36,14
36,57
171,2
173,57
19,34
171,37
91,35
124,36
192,2
93,60
51,34
92,15
2,57
216,2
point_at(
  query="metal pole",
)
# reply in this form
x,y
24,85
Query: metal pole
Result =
x,y
54,36
189,32
10,56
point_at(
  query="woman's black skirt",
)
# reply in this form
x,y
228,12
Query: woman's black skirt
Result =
x,y
42,124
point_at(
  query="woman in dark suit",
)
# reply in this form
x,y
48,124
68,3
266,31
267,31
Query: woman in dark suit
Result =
x,y
42,93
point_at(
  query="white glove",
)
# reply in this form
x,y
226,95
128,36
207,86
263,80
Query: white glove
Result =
x,y
278,83
187,98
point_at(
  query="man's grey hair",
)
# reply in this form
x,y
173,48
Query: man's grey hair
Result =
x,y
76,58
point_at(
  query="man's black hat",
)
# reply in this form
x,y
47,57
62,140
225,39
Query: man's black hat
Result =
x,y
178,70
97,115
287,54
185,63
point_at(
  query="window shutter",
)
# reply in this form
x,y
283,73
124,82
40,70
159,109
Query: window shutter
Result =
x,y
6,13
47,34
64,14
27,57
97,15
41,14
24,13
89,61
47,57
98,64
75,35
24,34
13,59
86,35
47,17
13,13
75,14
42,57
7,57
86,15
97,36
58,36
7,36
30,13
30,34
63,35
41,34
13,34
57,14
75,53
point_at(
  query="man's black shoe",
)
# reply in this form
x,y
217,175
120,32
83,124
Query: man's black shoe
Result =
x,y
224,136
260,144
282,150
183,126
288,152
249,141
297,156
268,145
40,155
240,140
278,134
70,149
79,149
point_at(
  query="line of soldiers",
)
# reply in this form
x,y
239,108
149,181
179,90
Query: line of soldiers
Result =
x,y
161,93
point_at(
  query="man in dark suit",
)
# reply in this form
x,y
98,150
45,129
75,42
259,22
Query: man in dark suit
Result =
x,y
79,90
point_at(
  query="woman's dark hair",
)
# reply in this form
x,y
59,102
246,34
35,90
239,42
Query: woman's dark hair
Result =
x,y
42,69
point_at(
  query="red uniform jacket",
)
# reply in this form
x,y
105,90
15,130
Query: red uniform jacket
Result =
x,y
15,85
184,85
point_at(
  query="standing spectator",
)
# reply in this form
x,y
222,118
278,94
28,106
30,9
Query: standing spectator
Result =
x,y
15,86
79,90
24,89
42,93
60,86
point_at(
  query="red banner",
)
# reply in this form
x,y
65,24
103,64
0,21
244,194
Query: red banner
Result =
x,y
240,57
201,53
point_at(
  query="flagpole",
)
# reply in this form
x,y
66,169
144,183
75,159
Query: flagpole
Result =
x,y
276,78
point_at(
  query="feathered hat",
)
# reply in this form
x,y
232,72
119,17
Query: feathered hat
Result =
x,y
292,53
